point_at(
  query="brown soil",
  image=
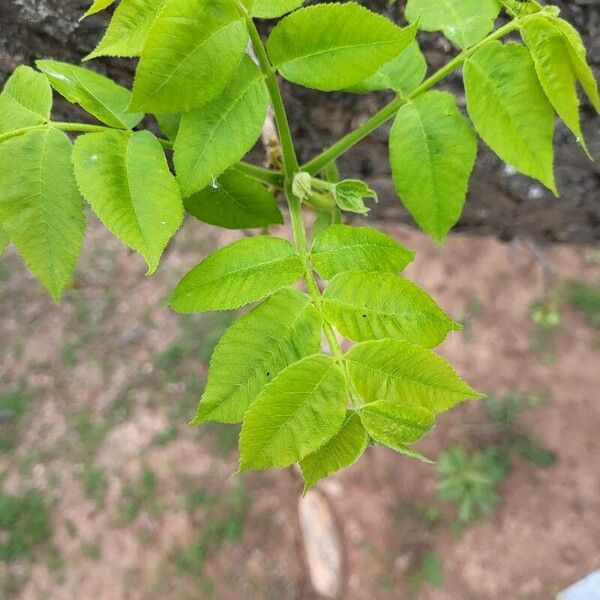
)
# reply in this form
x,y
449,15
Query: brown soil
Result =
x,y
111,379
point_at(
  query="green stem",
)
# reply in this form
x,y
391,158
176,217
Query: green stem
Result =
x,y
389,110
290,159
291,167
261,174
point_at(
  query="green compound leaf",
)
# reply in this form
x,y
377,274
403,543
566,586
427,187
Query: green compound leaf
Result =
x,y
25,101
396,424
98,6
272,9
510,110
402,372
402,74
578,56
549,49
243,272
334,46
463,22
128,29
341,248
341,451
41,208
98,95
300,410
193,49
277,333
432,153
125,178
214,137
235,202
368,306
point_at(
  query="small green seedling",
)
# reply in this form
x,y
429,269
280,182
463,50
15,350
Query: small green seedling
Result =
x,y
209,95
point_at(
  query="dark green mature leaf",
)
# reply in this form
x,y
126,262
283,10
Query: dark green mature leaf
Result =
x,y
277,333
243,272
510,110
396,424
578,56
193,49
341,451
334,46
432,154
25,101
214,137
402,74
97,6
128,29
464,22
41,209
300,410
402,372
98,95
341,248
367,306
235,202
271,9
549,49
126,179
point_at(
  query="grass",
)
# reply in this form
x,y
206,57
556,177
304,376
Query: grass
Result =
x,y
141,497
95,484
24,525
12,407
223,524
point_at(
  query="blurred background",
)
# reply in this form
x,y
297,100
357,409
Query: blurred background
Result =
x,y
106,493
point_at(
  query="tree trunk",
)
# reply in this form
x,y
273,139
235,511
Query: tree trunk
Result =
x,y
500,202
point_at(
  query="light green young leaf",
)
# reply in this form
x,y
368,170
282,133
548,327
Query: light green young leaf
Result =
x,y
578,56
432,154
216,136
368,306
300,410
549,49
235,202
98,6
169,124
349,196
243,272
402,372
334,46
3,241
396,424
192,51
126,179
341,451
341,248
98,95
128,29
277,333
302,186
510,110
402,74
272,9
463,22
41,208
25,101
